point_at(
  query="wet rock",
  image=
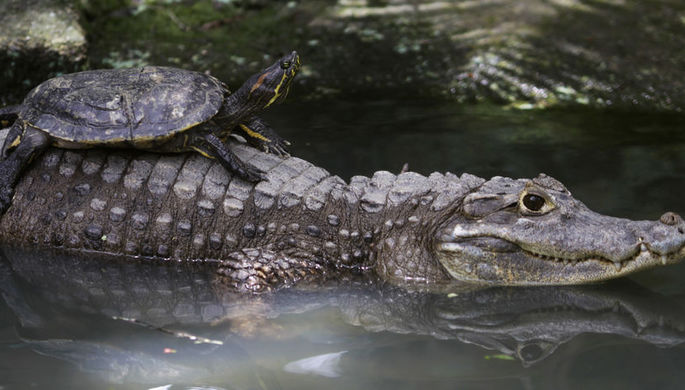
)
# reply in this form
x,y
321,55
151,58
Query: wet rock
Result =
x,y
39,38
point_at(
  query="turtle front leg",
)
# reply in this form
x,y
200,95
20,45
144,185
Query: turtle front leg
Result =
x,y
260,135
210,145
21,146
13,139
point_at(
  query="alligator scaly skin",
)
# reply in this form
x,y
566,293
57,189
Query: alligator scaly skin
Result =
x,y
302,222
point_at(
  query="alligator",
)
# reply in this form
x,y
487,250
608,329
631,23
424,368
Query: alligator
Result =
x,y
303,223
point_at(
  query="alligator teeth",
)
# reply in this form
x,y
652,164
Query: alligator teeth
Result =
x,y
643,248
663,259
618,266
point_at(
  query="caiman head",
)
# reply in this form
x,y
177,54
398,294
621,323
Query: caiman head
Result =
x,y
273,83
533,232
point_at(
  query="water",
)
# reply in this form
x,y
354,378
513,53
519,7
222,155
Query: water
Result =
x,y
65,322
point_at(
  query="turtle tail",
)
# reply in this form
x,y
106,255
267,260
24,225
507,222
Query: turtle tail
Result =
x,y
8,115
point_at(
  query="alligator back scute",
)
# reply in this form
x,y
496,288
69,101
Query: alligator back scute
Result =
x,y
105,209
181,206
299,221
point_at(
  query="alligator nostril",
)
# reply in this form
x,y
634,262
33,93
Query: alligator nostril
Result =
x,y
671,218
681,231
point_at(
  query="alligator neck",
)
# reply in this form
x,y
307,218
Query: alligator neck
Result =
x,y
391,220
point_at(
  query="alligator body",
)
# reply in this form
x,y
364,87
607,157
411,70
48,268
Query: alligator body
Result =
x,y
303,223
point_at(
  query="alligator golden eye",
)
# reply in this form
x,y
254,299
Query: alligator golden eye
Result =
x,y
285,64
533,202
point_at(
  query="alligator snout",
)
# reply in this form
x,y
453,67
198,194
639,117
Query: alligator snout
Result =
x,y
665,238
670,218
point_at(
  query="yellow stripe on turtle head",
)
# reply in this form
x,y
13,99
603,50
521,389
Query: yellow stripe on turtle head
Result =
x,y
277,91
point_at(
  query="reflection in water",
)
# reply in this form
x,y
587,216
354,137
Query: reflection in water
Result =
x,y
159,324
325,365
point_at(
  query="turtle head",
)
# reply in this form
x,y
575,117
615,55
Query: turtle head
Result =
x,y
272,84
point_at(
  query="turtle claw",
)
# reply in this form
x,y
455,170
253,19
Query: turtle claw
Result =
x,y
216,148
246,172
260,135
277,146
251,174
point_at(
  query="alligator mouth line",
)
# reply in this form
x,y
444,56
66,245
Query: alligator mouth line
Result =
x,y
618,265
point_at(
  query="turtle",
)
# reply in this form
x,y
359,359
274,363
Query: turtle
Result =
x,y
153,108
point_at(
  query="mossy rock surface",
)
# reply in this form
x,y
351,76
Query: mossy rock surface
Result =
x,y
40,38
527,53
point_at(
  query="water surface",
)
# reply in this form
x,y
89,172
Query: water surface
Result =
x,y
65,322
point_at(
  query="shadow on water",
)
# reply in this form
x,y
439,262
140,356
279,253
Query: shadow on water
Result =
x,y
619,163
71,316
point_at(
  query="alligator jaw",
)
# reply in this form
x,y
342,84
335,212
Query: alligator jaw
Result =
x,y
641,259
496,260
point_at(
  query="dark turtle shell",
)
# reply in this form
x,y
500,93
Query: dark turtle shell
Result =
x,y
109,106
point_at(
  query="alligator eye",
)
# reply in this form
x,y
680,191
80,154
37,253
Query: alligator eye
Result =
x,y
285,64
533,202
530,352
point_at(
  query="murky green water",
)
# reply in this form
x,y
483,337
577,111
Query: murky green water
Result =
x,y
61,320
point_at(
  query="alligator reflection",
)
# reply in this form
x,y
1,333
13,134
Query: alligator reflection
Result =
x,y
71,308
